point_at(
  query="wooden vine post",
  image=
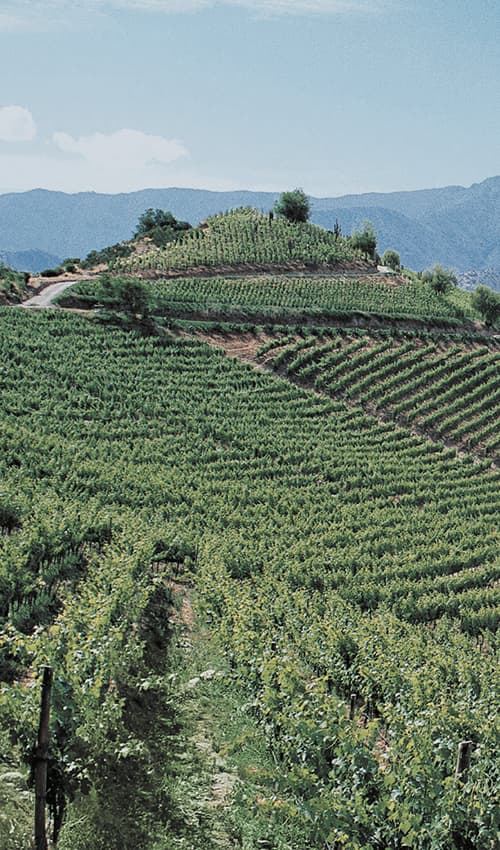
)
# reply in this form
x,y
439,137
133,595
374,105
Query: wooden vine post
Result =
x,y
352,707
463,760
40,762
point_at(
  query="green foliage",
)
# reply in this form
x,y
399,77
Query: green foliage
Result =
x,y
448,391
272,296
365,240
131,295
294,206
333,555
242,237
391,259
441,280
487,303
12,283
55,272
160,226
107,255
16,811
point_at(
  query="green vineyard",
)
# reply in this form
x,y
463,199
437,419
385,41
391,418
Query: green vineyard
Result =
x,y
449,390
299,298
349,569
243,237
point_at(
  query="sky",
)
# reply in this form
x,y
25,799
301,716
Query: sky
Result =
x,y
334,96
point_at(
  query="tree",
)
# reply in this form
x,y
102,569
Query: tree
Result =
x,y
365,240
130,294
392,260
160,226
154,218
487,303
294,206
440,279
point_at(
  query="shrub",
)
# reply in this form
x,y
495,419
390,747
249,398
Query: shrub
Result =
x,y
294,206
52,272
391,259
365,240
441,280
487,303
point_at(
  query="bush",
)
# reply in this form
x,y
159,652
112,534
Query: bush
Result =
x,y
365,240
487,303
294,206
391,259
107,255
52,272
160,226
441,280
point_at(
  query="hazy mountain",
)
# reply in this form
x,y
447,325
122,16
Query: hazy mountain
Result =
x,y
29,261
457,226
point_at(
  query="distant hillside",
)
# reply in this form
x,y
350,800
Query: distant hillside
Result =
x,y
487,277
29,261
457,226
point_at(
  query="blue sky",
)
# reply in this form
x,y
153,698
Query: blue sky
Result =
x,y
336,96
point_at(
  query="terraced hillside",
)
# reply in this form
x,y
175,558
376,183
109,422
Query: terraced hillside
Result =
x,y
243,237
294,299
446,389
349,570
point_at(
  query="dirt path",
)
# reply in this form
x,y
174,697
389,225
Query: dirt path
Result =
x,y
196,642
46,297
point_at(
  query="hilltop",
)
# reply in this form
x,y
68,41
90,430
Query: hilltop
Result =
x,y
457,226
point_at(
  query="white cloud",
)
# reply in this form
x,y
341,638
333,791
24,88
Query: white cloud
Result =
x,y
123,149
36,15
116,162
16,124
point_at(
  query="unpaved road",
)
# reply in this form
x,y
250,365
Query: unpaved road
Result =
x,y
45,298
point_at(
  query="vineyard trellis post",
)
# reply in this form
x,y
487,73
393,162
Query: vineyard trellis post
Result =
x,y
463,760
352,708
40,761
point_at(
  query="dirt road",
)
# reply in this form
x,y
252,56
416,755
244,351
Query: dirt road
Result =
x,y
45,298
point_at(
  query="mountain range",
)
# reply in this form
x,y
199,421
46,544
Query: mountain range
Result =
x,y
457,226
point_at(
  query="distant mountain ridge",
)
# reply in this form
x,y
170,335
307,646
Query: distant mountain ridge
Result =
x,y
457,226
32,261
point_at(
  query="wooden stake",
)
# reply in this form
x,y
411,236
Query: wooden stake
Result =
x,y
463,760
352,709
41,759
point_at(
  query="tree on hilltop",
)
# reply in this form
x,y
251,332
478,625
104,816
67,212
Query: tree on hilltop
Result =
x,y
160,226
487,303
391,259
294,206
441,280
365,240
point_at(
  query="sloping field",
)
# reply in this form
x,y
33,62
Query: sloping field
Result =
x,y
449,390
294,298
333,556
243,236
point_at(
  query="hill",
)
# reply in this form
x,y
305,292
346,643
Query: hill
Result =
x,y
244,237
250,524
29,261
455,225
346,569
